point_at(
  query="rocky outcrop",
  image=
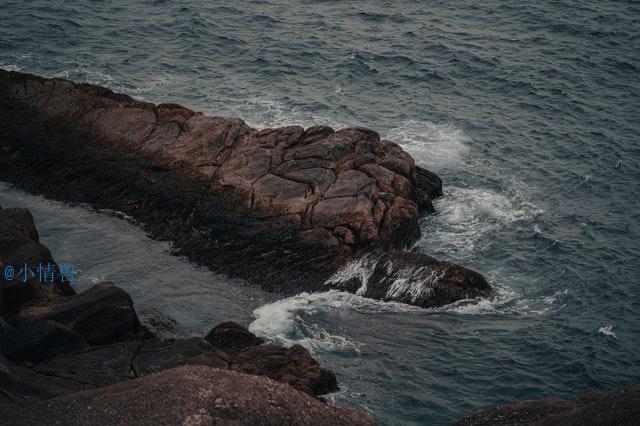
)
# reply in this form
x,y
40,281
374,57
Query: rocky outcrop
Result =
x,y
616,407
294,366
410,277
38,341
22,253
190,395
103,314
232,337
260,204
56,343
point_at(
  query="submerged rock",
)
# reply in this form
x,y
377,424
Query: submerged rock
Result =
x,y
259,204
615,407
187,396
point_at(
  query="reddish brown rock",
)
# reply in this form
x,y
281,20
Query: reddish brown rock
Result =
x,y
232,337
259,204
620,407
267,168
294,366
189,395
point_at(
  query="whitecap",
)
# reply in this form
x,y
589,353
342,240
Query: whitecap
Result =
x,y
263,112
608,331
288,321
466,216
434,146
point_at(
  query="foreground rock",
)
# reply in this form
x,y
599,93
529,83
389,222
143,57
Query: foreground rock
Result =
x,y
261,204
617,407
21,250
103,314
55,343
192,395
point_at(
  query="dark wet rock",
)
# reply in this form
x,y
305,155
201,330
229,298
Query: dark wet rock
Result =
x,y
410,277
20,220
294,366
428,182
64,343
20,250
38,341
103,314
417,279
259,204
231,337
615,407
157,355
93,366
189,395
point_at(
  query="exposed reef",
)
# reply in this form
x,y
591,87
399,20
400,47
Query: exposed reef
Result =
x,y
285,208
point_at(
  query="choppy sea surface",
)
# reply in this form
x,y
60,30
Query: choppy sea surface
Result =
x,y
527,110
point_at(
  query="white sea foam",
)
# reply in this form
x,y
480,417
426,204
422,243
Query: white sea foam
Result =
x,y
468,215
608,331
434,146
262,112
360,269
290,321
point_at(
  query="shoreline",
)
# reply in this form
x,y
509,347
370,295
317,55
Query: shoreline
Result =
x,y
109,156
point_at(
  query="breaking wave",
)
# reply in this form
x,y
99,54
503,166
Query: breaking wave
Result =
x,y
434,146
469,216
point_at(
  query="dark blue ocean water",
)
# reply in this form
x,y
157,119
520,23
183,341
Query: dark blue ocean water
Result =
x,y
528,110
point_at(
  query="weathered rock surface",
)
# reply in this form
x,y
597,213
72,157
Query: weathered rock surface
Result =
x,y
38,341
232,337
294,366
21,250
619,407
56,344
410,277
189,395
260,204
103,314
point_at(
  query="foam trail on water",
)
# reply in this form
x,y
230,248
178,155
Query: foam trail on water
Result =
x,y
608,331
261,112
466,216
434,146
290,321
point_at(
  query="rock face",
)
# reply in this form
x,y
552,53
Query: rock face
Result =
x,y
21,250
103,314
232,337
55,343
410,277
261,204
616,407
190,395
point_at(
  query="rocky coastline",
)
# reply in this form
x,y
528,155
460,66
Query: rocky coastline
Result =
x,y
59,349
289,209
263,205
